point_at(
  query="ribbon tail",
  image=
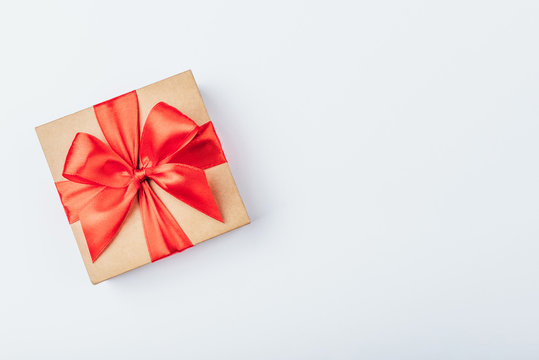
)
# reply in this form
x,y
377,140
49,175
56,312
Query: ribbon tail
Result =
x,y
103,216
188,184
163,234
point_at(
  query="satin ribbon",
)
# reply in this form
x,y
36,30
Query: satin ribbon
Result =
x,y
104,179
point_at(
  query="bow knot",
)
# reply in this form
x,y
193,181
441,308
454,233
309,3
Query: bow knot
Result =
x,y
104,179
140,175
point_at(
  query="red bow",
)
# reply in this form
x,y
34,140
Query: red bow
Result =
x,y
104,179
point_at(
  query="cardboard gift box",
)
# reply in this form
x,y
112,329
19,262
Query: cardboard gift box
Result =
x,y
129,248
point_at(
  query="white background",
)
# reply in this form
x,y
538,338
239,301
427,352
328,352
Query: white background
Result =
x,y
387,152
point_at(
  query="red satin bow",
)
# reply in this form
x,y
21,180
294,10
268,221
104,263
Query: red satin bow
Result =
x,y
104,179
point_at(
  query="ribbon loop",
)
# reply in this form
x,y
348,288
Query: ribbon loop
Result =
x,y
166,132
90,161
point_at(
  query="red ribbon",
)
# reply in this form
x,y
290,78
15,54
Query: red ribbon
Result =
x,y
103,180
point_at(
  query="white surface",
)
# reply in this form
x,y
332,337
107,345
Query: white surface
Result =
x,y
386,151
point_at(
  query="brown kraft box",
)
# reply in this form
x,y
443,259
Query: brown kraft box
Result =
x,y
128,250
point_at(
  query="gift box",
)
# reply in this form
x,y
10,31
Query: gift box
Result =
x,y
142,176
